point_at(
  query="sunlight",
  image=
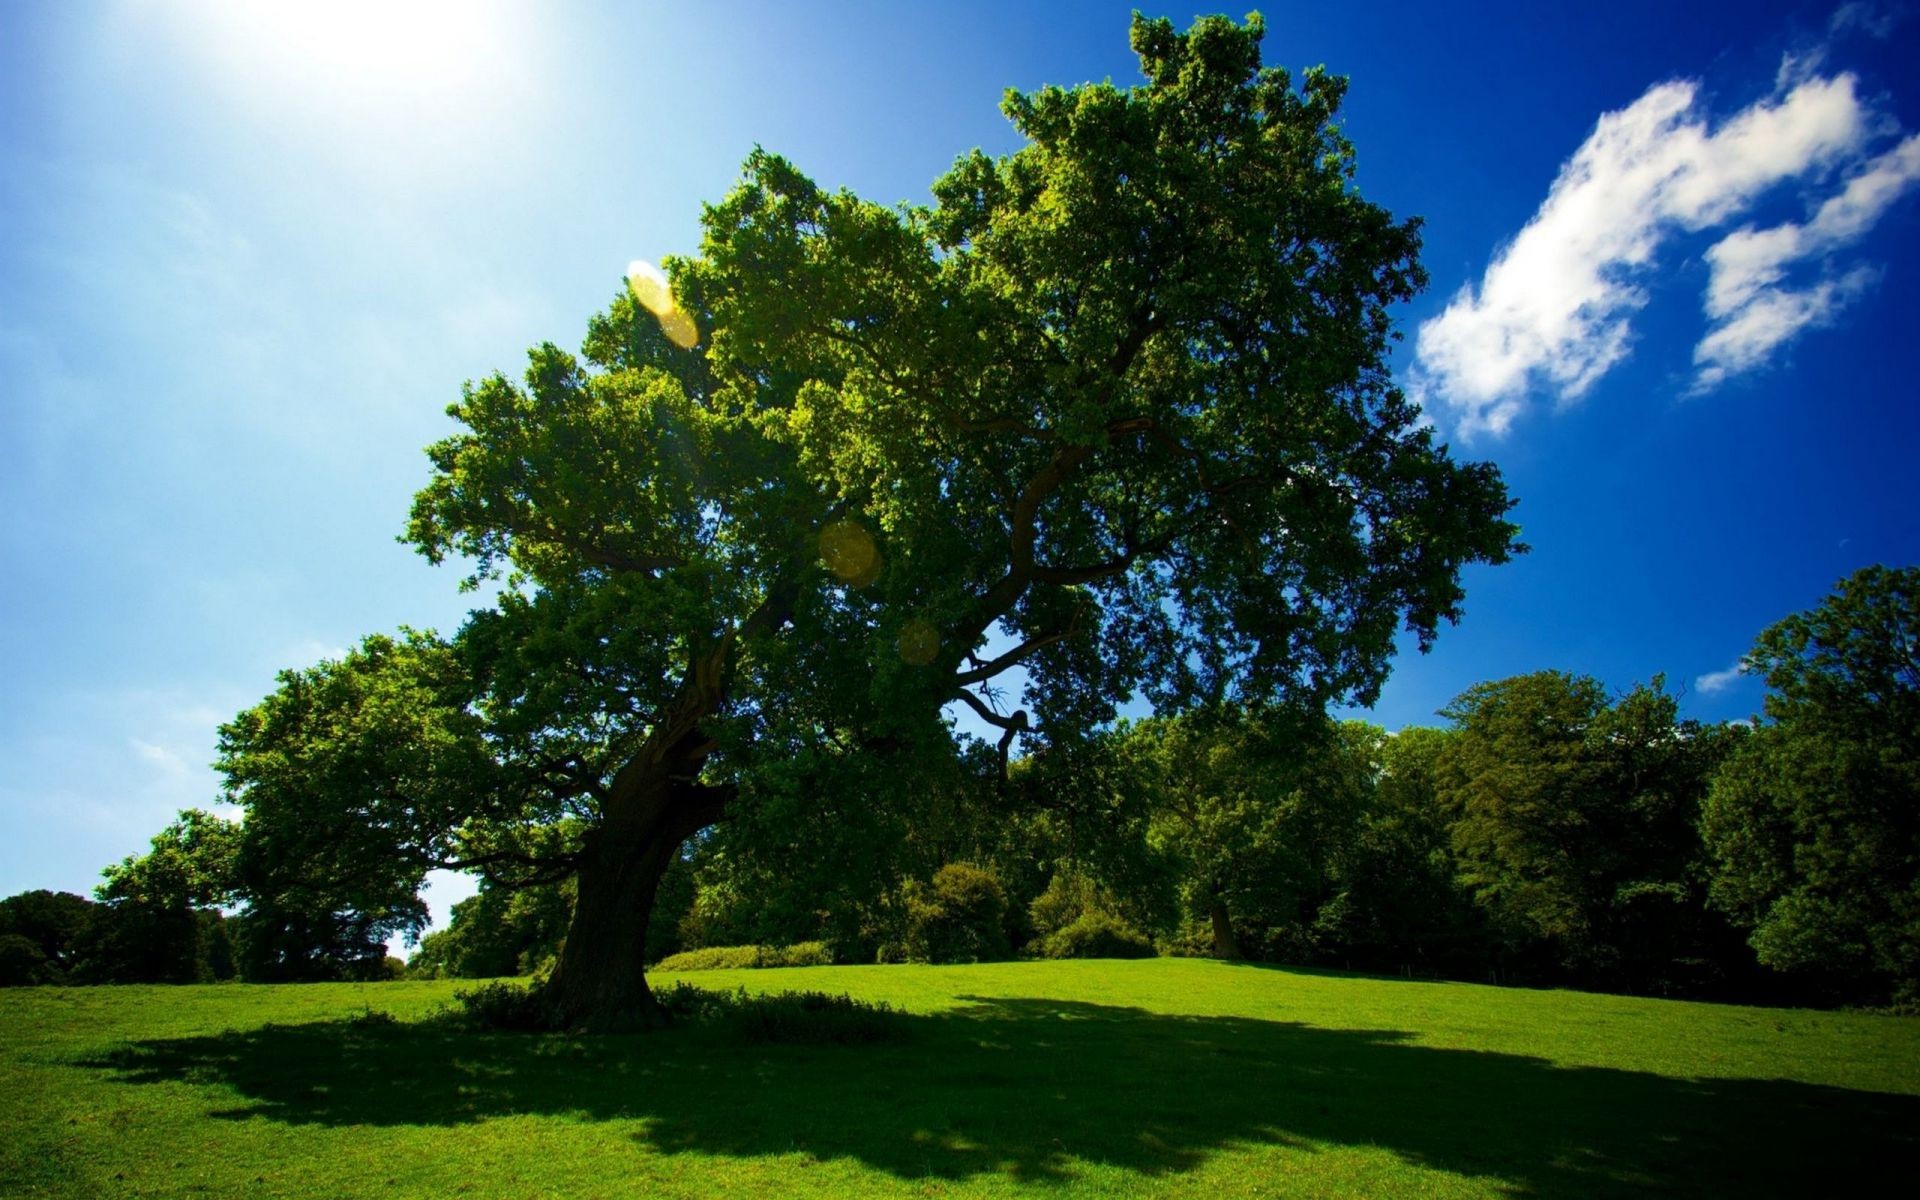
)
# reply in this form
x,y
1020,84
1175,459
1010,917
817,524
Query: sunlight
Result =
x,y
394,90
416,45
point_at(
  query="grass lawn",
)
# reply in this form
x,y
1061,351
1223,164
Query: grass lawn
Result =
x,y
1165,1077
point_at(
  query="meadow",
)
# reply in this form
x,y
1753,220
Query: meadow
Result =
x,y
1079,1078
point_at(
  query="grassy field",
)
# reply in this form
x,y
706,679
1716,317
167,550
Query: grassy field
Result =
x,y
1162,1077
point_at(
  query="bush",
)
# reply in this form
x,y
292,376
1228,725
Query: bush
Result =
x,y
370,1017
806,954
506,1006
714,958
723,958
802,1018
959,917
1095,934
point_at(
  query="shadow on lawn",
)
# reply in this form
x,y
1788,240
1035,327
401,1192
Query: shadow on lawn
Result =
x,y
1028,1087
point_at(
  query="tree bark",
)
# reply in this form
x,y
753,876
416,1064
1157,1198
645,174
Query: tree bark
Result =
x,y
600,984
1224,943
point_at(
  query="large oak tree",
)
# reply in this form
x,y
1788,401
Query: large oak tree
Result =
x,y
1115,409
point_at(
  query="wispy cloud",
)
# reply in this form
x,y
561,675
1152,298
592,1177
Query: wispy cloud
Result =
x,y
1715,682
1554,312
1753,311
1874,20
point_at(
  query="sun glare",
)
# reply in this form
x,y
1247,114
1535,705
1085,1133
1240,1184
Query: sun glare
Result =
x,y
654,292
399,45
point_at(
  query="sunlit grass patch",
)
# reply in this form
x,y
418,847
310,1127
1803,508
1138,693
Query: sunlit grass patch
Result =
x,y
1160,1077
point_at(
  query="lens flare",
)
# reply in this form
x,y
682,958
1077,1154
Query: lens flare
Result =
x,y
847,550
680,329
919,643
650,287
654,292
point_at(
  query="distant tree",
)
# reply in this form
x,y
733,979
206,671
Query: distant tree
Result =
x,y
52,926
355,776
159,919
1405,906
1814,822
22,963
1257,809
1573,821
497,931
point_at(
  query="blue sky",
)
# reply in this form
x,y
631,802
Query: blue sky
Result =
x,y
248,254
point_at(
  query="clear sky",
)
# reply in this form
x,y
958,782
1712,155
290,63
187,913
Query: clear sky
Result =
x,y
248,255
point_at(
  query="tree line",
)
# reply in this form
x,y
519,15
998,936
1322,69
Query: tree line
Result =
x,y
1549,833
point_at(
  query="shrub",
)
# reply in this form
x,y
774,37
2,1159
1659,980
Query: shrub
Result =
x,y
506,1006
712,958
1095,934
370,1017
806,954
722,958
1068,895
959,917
802,1018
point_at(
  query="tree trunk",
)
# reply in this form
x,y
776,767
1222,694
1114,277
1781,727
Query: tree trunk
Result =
x,y
1224,945
599,984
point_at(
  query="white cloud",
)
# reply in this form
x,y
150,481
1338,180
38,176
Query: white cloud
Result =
x,y
1752,312
1554,310
1715,682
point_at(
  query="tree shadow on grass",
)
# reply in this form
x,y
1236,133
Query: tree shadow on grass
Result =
x,y
1033,1088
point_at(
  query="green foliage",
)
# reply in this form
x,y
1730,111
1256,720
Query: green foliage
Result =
x,y
356,777
1068,894
23,963
192,863
1094,934
497,931
1813,824
1075,917
506,1007
718,958
1122,396
1256,810
790,1018
1573,822
158,920
1403,905
958,917
53,925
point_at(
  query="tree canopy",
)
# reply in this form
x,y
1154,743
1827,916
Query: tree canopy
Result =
x,y
1114,408
1814,825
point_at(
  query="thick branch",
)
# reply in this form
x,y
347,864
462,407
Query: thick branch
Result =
x,y
1017,723
989,669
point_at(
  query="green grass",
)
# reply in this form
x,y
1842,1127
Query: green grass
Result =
x,y
1162,1077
